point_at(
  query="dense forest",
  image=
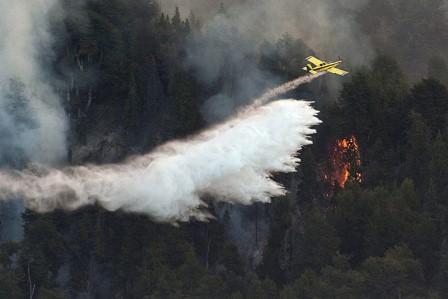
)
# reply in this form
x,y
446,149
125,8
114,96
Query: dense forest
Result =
x,y
380,232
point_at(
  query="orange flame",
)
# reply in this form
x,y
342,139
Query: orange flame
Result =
x,y
345,162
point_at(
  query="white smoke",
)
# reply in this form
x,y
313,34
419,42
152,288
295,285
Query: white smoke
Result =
x,y
231,162
25,48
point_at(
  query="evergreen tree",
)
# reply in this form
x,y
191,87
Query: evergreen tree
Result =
x,y
397,274
176,21
438,69
351,216
18,105
438,170
430,99
417,154
319,243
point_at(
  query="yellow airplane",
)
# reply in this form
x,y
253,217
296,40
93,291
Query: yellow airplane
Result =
x,y
321,66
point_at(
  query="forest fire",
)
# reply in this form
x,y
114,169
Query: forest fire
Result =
x,y
344,162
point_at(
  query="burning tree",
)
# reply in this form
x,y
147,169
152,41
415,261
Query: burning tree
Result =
x,y
344,163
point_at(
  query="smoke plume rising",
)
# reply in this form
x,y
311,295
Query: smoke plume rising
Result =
x,y
231,162
32,121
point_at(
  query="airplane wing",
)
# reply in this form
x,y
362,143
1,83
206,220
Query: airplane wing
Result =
x,y
314,60
337,71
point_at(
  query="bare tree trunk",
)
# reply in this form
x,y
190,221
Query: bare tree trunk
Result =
x,y
207,255
78,62
101,59
91,276
67,47
2,222
256,226
89,97
32,286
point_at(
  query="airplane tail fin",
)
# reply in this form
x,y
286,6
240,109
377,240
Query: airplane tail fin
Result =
x,y
307,68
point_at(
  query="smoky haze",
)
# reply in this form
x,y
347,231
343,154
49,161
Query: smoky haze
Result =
x,y
32,121
328,27
223,53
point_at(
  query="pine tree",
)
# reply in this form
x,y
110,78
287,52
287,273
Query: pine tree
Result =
x,y
430,99
438,69
176,21
194,22
397,274
417,154
438,169
133,108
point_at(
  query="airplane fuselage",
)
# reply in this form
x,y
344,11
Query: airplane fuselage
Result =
x,y
323,66
316,65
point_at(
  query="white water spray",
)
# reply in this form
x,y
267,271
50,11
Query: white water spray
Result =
x,y
284,88
231,162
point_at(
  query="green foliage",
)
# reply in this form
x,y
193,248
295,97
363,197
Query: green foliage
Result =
x,y
281,216
353,209
9,274
187,109
9,287
312,188
398,273
49,294
231,259
264,289
175,21
430,99
337,281
319,242
373,105
285,57
438,170
438,69
417,154
42,251
211,286
7,251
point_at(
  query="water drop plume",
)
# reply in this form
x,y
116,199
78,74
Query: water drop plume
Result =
x,y
284,88
231,162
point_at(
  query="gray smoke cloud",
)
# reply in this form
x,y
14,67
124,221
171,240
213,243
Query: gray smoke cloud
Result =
x,y
222,58
32,121
327,26
224,52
